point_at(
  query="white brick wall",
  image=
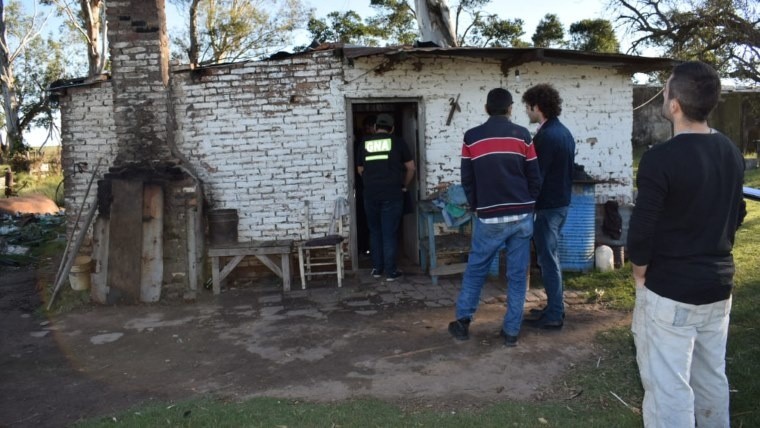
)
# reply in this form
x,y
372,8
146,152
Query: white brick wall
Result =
x,y
596,109
88,135
266,136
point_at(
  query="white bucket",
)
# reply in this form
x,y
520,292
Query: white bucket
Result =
x,y
604,258
79,276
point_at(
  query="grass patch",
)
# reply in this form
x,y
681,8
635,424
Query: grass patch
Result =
x,y
752,177
269,412
614,289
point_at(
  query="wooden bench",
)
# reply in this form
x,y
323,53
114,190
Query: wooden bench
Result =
x,y
263,250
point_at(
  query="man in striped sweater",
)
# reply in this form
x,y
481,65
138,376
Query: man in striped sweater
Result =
x,y
501,178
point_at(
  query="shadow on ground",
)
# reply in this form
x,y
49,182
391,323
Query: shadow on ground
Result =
x,y
382,340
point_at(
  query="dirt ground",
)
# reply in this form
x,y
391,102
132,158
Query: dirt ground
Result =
x,y
322,344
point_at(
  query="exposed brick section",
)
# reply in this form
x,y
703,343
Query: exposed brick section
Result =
x,y
139,51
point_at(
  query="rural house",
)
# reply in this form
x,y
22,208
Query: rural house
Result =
x,y
264,137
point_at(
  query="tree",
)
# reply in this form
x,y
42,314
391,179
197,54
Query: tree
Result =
x,y
343,27
465,9
231,30
28,64
549,32
496,32
724,33
471,26
594,35
395,20
88,20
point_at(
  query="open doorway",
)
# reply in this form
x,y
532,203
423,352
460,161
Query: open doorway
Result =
x,y
406,118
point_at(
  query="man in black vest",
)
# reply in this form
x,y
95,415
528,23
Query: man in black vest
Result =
x,y
387,168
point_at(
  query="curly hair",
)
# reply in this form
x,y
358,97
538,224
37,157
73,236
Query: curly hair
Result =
x,y
546,98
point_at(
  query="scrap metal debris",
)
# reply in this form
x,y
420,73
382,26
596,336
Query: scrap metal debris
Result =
x,y
21,234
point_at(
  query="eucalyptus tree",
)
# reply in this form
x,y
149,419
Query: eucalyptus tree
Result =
x,y
29,62
232,30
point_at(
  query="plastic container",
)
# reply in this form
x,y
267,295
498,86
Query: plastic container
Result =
x,y
79,275
576,240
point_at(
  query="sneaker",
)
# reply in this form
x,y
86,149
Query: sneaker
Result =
x,y
535,314
376,273
394,276
509,340
545,324
460,329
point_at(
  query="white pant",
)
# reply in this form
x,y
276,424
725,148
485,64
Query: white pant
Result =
x,y
681,353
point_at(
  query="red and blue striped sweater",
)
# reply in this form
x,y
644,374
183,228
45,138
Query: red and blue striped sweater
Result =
x,y
500,172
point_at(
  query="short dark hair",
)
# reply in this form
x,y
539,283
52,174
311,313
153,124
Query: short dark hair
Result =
x,y
546,98
498,102
696,86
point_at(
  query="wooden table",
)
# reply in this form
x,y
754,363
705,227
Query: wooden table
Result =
x,y
263,250
432,246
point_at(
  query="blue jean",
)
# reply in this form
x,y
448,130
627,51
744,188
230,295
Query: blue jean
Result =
x,y
383,220
487,239
548,224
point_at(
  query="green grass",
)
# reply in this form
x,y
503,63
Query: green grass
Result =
x,y
269,412
752,177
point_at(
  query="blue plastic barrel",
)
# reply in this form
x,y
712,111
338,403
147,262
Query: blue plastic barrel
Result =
x,y
576,239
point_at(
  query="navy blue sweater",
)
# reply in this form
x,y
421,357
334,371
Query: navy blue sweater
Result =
x,y
555,147
500,173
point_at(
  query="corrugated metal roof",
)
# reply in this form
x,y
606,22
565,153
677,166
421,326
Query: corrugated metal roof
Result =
x,y
516,56
510,57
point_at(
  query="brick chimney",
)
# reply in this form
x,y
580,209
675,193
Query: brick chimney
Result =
x,y
148,237
139,48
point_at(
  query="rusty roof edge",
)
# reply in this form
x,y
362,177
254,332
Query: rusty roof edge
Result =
x,y
63,84
518,56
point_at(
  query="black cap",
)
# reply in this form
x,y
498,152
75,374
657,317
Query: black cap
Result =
x,y
498,101
384,120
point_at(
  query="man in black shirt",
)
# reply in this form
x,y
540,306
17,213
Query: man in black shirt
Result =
x,y
386,166
681,233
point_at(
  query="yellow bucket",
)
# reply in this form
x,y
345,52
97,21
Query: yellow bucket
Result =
x,y
79,276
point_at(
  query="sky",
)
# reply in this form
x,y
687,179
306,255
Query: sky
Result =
x,y
568,11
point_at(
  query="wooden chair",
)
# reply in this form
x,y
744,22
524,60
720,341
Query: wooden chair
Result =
x,y
325,253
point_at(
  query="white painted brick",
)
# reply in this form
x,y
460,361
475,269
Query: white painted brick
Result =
x,y
256,151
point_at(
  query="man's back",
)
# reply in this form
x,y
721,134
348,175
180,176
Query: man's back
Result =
x,y
555,147
500,172
694,183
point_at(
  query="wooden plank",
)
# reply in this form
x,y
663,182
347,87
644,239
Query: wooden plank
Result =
x,y
253,244
249,250
271,264
125,243
192,257
152,270
229,267
285,260
99,291
215,281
